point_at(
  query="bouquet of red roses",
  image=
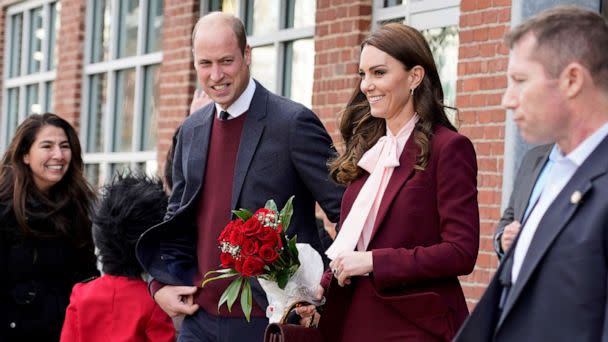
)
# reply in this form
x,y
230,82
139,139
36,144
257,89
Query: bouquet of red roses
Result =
x,y
255,245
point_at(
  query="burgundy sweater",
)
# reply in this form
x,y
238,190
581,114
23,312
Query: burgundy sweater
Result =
x,y
214,213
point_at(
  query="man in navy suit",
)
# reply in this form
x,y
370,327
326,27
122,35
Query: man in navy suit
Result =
x,y
527,187
245,148
553,282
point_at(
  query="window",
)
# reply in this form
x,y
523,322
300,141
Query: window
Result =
x,y
281,36
120,91
438,22
29,62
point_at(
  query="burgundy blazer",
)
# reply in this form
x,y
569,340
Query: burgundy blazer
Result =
x,y
426,235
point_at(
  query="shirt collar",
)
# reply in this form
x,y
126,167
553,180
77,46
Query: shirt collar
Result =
x,y
584,149
241,105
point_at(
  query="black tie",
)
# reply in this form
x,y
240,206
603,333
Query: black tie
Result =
x,y
224,115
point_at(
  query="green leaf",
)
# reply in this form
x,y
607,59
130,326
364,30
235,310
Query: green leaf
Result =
x,y
230,293
282,280
222,276
237,287
271,205
243,214
286,213
293,250
246,300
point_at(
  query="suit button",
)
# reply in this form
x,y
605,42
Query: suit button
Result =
x,y
12,325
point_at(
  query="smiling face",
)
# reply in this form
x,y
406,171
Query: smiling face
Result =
x,y
539,106
49,157
221,67
387,84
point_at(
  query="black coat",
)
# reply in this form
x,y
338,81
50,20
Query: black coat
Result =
x,y
37,278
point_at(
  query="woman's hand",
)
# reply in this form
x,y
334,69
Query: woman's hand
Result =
x,y
349,264
308,313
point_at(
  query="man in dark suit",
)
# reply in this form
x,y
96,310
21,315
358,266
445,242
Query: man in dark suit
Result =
x,y
527,187
245,148
553,282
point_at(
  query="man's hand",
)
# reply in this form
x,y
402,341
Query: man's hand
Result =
x,y
351,264
509,234
199,100
176,300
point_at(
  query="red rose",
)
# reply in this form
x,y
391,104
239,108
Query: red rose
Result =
x,y
252,227
230,227
253,266
227,260
238,264
236,237
250,247
268,253
269,235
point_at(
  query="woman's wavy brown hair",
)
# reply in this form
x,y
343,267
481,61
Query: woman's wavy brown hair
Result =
x,y
67,206
360,130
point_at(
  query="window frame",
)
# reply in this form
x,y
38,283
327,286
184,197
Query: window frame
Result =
x,y
279,38
421,14
22,81
110,68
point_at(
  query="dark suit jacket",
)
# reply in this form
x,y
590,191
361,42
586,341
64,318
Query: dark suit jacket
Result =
x,y
283,151
426,234
561,290
531,166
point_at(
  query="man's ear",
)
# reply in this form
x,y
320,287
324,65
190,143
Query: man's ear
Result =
x,y
247,55
572,79
417,74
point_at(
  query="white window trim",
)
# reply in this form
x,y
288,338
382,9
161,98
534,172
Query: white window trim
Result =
x,y
22,82
139,62
421,14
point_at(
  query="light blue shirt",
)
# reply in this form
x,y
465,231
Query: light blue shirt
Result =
x,y
538,186
563,169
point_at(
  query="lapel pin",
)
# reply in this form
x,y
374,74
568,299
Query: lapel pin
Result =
x,y
576,197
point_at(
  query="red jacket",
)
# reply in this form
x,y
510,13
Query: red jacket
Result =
x,y
115,309
426,234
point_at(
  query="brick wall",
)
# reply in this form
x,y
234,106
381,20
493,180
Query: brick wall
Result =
x,y
341,26
481,82
70,46
177,75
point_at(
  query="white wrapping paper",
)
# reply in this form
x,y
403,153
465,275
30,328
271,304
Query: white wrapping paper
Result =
x,y
302,286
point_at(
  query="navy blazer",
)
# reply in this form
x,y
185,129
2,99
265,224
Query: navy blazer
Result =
x,y
283,151
531,165
561,291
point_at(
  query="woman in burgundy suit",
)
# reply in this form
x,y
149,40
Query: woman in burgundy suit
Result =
x,y
409,220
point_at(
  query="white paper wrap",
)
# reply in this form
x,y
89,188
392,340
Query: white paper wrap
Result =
x,y
302,286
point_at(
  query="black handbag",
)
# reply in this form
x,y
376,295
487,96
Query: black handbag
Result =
x,y
286,332
282,332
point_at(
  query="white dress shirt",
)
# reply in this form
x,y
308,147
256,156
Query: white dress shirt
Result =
x,y
560,174
241,105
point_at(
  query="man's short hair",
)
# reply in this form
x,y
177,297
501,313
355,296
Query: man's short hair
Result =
x,y
566,34
237,27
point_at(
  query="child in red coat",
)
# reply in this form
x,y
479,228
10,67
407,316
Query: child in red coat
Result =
x,y
117,306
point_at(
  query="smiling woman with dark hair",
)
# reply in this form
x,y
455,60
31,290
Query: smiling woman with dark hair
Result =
x,y
117,306
409,222
45,230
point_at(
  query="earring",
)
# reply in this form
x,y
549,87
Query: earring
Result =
x,y
412,91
